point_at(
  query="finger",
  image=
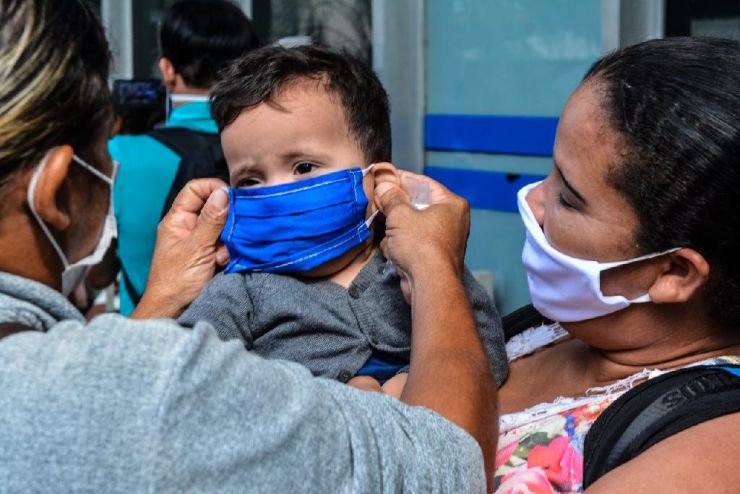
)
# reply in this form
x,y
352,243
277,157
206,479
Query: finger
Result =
x,y
384,247
389,196
212,218
195,193
222,255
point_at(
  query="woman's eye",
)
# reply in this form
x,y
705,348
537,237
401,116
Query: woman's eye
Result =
x,y
304,168
564,202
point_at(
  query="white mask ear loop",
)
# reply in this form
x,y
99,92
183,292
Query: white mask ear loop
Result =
x,y
102,176
369,221
606,266
365,171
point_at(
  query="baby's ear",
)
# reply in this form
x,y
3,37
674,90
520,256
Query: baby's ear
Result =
x,y
385,173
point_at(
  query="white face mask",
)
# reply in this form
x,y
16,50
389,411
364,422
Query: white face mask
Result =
x,y
565,288
74,274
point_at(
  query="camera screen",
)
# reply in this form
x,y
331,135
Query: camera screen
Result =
x,y
137,93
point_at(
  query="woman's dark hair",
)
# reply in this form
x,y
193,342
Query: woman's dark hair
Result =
x,y
676,105
53,80
199,37
260,76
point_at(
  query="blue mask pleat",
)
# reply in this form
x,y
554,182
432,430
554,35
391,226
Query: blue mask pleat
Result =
x,y
297,226
282,228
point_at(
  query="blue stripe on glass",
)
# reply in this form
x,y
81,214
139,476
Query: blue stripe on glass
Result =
x,y
483,189
498,134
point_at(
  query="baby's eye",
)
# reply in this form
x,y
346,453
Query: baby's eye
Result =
x,y
248,182
304,168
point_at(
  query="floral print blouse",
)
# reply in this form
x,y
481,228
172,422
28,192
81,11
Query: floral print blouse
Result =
x,y
540,450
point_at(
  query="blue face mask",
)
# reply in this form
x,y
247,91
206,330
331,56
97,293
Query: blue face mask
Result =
x,y
297,226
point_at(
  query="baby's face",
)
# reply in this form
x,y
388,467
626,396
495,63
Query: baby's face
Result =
x,y
301,134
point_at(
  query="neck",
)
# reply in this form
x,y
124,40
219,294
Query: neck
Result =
x,y
349,272
26,251
184,92
650,336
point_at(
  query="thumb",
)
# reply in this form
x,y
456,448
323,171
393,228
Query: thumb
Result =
x,y
389,196
212,217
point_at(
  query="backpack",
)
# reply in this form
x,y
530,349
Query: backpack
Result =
x,y
200,157
649,412
655,410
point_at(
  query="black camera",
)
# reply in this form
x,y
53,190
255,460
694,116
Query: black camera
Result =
x,y
140,104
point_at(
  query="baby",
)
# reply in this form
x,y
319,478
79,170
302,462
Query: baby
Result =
x,y
307,281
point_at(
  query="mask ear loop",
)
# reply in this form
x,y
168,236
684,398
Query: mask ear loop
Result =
x,y
370,220
105,178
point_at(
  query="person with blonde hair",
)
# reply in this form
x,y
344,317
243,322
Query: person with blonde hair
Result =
x,y
124,405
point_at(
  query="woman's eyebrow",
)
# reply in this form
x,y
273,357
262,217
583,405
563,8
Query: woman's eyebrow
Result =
x,y
568,185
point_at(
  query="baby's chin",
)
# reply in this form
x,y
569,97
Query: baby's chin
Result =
x,y
336,265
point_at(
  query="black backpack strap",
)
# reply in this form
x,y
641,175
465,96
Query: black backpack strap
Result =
x,y
655,410
11,328
180,139
128,285
205,161
521,319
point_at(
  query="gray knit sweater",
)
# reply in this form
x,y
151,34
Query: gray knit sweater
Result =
x,y
331,330
146,406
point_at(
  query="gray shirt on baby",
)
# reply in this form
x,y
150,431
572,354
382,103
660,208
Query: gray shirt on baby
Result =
x,y
330,329
117,405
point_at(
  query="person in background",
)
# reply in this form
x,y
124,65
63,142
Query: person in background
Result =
x,y
124,405
197,38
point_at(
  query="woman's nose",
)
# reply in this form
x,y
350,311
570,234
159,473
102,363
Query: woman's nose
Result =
x,y
535,200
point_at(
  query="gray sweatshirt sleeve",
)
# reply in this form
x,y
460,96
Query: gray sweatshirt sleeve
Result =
x,y
145,406
226,304
490,328
233,421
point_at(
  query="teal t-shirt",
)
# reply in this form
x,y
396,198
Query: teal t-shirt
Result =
x,y
147,169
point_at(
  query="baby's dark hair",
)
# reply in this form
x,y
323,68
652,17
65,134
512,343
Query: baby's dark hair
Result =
x,y
259,76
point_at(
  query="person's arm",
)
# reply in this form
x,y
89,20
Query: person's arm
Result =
x,y
230,420
187,251
702,458
449,371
